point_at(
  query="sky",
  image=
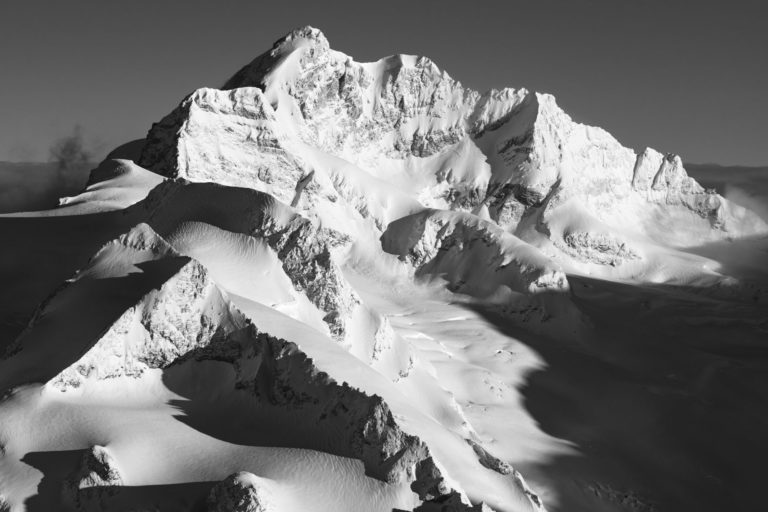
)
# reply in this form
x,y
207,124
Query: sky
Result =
x,y
683,77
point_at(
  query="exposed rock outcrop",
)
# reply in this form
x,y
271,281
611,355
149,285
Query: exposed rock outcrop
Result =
x,y
476,256
599,248
187,319
95,481
663,180
304,247
183,313
240,492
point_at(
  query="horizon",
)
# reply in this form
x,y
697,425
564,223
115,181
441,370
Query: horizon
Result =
x,y
652,74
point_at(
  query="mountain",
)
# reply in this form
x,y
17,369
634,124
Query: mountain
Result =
x,y
745,186
333,285
512,156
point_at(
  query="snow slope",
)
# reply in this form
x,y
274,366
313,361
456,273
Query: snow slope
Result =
x,y
180,317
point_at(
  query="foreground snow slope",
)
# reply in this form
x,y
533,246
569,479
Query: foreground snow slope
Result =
x,y
182,318
334,285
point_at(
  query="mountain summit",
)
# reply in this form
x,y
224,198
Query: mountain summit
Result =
x,y
512,157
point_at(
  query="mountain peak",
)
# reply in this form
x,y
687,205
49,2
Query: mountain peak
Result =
x,y
393,115
300,37
306,33
253,73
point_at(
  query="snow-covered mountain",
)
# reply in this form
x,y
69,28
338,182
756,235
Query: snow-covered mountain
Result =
x,y
320,288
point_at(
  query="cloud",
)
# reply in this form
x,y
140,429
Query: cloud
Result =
x,y
30,186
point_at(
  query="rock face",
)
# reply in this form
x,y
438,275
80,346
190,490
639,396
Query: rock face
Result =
x,y
371,143
165,324
94,482
405,108
187,320
369,103
344,420
662,179
304,247
182,314
239,492
471,253
602,249
250,152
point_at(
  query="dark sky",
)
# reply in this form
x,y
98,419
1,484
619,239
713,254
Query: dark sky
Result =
x,y
684,77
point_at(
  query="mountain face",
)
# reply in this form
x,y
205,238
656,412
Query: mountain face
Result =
x,y
327,285
404,121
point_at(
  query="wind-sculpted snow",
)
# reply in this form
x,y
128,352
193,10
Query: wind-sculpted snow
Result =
x,y
343,420
404,107
113,185
303,247
478,258
155,329
167,323
473,254
188,320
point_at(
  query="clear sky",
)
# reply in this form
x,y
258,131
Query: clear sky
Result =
x,y
684,77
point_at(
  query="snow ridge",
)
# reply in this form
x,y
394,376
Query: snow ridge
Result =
x,y
188,319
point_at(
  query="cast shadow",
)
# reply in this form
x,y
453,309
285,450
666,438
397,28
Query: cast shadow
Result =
x,y
56,466
664,399
62,334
